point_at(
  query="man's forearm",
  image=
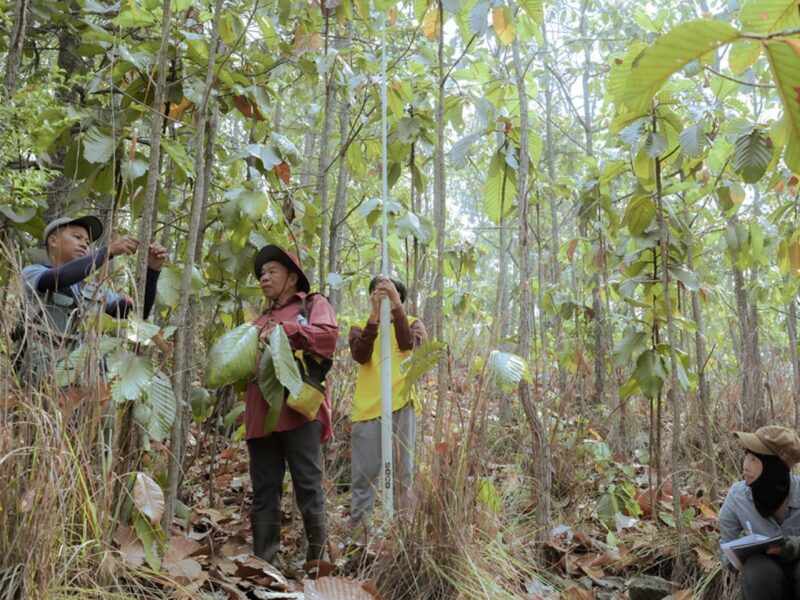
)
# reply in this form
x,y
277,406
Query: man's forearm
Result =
x,y
75,271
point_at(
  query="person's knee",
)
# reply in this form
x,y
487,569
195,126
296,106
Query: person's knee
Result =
x,y
762,577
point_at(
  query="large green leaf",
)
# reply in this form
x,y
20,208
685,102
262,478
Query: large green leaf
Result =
x,y
271,389
650,373
693,139
669,54
163,403
460,150
233,356
412,225
534,8
285,365
508,369
624,349
640,214
743,54
785,65
479,18
752,155
500,189
133,373
98,145
767,16
422,360
168,291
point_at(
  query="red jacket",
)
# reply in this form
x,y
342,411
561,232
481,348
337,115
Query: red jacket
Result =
x,y
318,336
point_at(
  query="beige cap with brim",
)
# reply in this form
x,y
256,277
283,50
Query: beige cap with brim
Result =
x,y
773,440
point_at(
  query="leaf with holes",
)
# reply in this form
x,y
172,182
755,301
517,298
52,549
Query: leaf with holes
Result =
x,y
148,497
752,155
233,356
669,54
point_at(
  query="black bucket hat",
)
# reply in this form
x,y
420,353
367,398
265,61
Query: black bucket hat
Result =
x,y
92,224
288,259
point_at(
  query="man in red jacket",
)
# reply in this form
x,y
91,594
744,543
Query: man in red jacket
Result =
x,y
310,324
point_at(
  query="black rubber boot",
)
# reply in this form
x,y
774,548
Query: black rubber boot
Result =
x,y
266,528
316,534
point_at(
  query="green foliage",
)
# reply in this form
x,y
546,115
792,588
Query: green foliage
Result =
x,y
508,369
670,53
272,389
286,370
752,156
233,356
422,360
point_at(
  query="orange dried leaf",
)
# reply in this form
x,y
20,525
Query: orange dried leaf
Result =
x,y
247,108
284,171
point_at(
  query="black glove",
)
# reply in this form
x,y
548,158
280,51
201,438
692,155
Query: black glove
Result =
x,y
790,551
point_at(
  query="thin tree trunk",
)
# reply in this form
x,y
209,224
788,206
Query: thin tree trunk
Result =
x,y
549,145
710,465
673,391
15,46
154,173
791,321
322,165
183,335
541,449
340,202
440,218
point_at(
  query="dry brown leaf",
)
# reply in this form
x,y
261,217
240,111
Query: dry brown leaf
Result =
x,y
708,560
130,546
253,566
681,595
148,497
335,588
578,594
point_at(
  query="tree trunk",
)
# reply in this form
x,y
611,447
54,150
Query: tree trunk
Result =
x,y
15,46
440,218
154,170
710,465
792,325
340,202
183,336
322,165
541,449
673,391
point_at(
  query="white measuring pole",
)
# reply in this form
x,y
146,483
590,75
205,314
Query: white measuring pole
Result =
x,y
387,473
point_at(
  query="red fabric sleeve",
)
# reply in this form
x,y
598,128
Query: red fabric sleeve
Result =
x,y
362,342
320,334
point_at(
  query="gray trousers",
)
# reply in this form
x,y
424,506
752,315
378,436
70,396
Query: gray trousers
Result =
x,y
365,466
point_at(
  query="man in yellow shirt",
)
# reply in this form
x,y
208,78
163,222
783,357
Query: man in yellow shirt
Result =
x,y
365,347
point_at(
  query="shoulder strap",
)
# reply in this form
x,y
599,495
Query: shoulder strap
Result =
x,y
304,305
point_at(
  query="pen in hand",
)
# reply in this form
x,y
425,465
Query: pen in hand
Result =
x,y
749,528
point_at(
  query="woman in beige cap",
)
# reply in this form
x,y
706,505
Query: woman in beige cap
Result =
x,y
767,502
